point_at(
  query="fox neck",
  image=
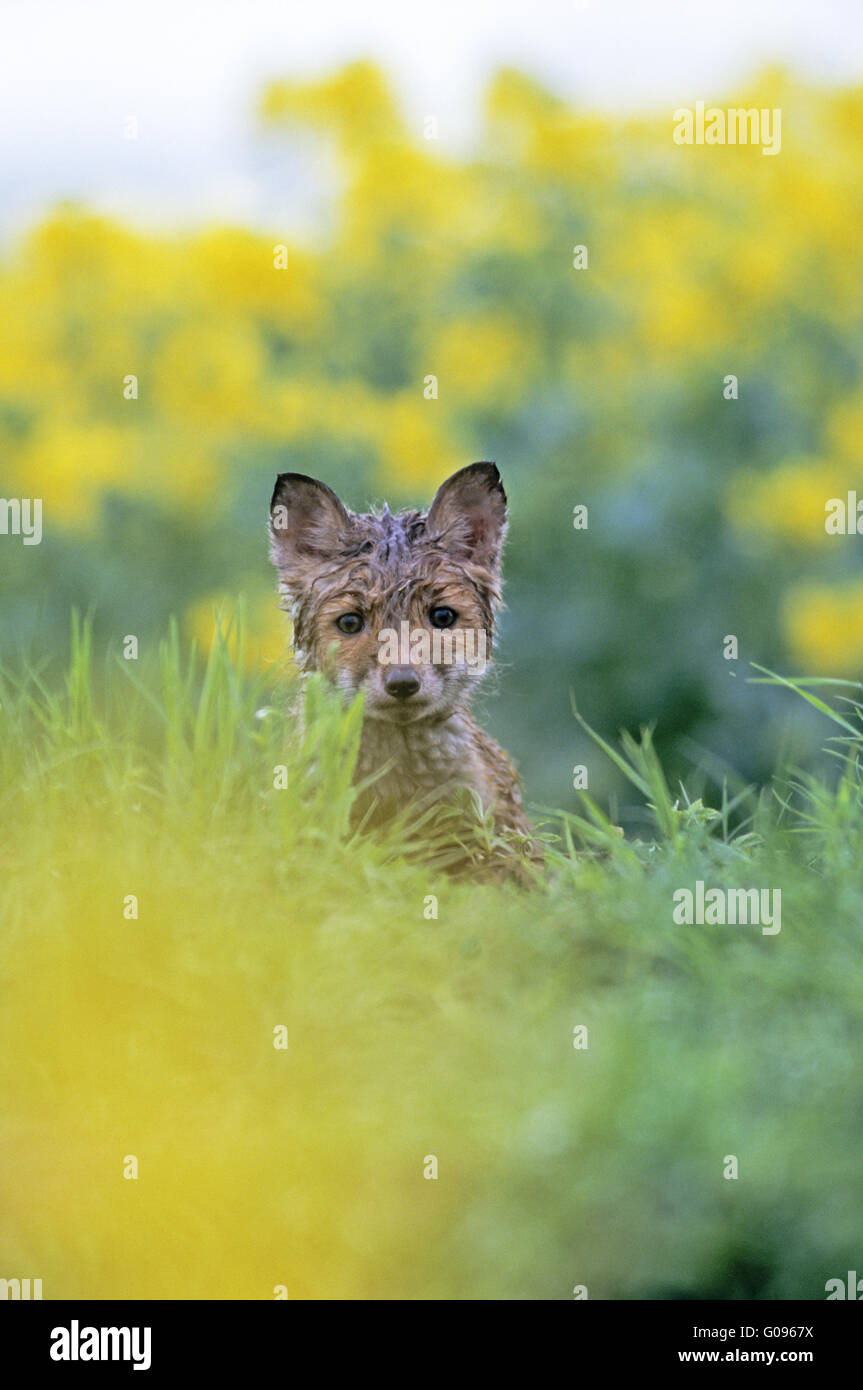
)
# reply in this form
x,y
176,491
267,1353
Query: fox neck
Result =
x,y
425,756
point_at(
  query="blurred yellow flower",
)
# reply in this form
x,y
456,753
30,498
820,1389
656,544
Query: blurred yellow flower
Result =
x,y
845,432
207,373
177,467
265,628
234,268
788,502
570,147
824,628
314,407
99,267
681,318
482,359
691,259
516,104
403,192
356,103
413,445
69,465
761,266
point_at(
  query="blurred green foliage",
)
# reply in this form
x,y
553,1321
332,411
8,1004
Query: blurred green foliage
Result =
x,y
410,1033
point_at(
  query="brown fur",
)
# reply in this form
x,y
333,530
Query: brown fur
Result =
x,y
387,569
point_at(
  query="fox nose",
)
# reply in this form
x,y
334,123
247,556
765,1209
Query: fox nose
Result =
x,y
401,683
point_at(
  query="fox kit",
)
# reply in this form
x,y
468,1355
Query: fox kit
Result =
x,y
403,608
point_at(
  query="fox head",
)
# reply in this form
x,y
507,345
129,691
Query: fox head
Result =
x,y
400,607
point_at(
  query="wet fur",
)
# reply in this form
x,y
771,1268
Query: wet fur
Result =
x,y
392,568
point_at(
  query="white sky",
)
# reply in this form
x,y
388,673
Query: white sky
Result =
x,y
71,71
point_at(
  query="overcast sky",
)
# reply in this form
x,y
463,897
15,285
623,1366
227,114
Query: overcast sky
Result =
x,y
71,72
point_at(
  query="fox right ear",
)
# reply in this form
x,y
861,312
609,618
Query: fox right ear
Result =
x,y
307,522
469,509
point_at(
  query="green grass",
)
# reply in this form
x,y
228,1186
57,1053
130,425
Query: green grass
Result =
x,y
409,1035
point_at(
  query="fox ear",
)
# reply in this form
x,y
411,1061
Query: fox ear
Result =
x,y
469,511
307,522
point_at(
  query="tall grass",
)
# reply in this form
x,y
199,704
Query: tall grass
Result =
x,y
426,1016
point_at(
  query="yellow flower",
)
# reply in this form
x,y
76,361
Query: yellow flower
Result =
x,y
845,431
824,628
317,407
97,266
355,104
404,194
207,373
515,105
509,220
574,147
69,465
413,446
178,468
762,267
788,502
234,269
266,629
482,359
681,317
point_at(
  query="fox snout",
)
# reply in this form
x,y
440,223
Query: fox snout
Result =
x,y
401,682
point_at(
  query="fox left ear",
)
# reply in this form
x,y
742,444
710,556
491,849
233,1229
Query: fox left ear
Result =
x,y
469,511
307,523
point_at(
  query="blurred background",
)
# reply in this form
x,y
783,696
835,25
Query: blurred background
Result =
x,y
429,174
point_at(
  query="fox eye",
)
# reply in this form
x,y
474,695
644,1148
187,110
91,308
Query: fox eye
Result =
x,y
350,623
442,617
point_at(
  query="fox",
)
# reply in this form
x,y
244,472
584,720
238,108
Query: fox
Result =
x,y
398,606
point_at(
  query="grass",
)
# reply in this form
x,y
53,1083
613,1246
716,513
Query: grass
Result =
x,y
410,1034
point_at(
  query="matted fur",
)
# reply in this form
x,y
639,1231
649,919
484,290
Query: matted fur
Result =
x,y
388,569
